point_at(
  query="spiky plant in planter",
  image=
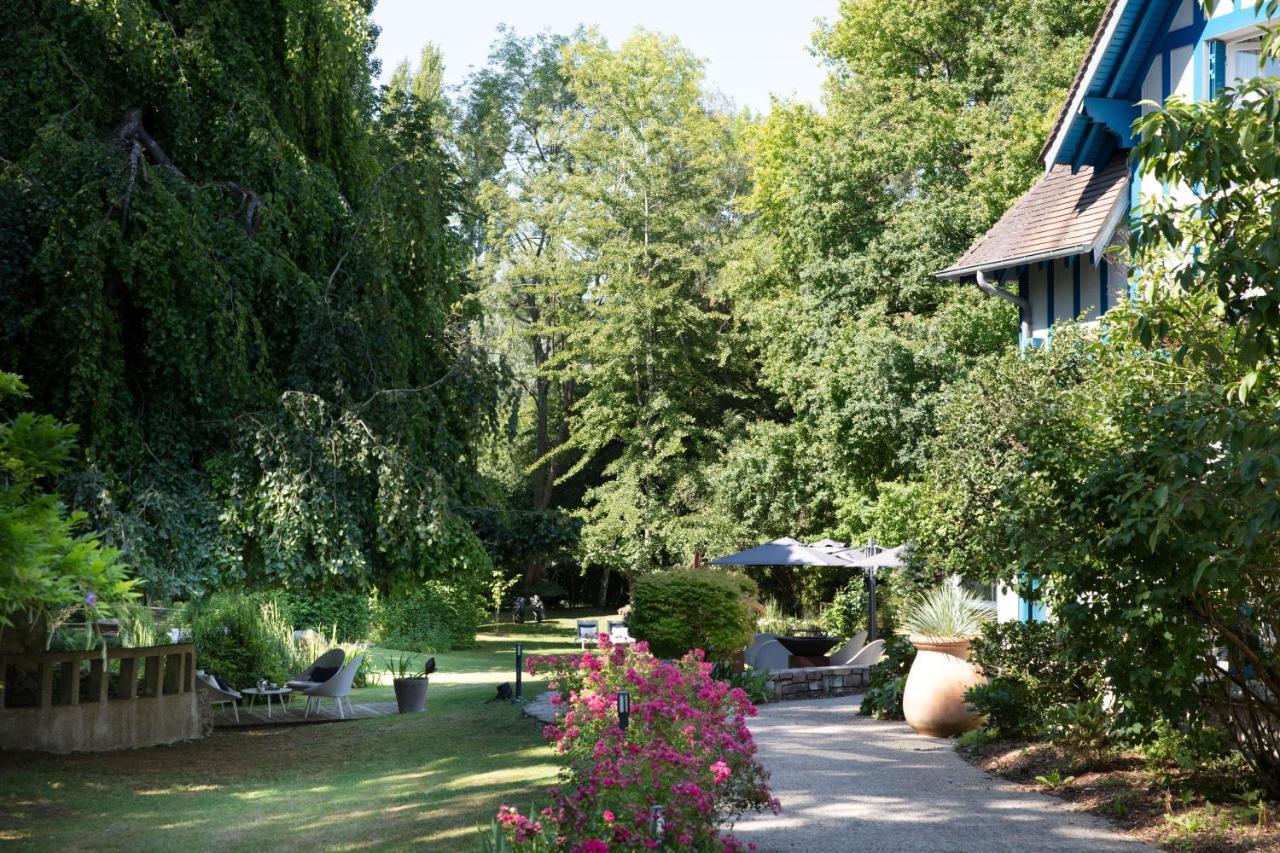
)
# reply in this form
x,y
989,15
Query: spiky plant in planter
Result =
x,y
940,624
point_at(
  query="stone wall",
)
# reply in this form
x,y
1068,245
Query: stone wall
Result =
x,y
817,682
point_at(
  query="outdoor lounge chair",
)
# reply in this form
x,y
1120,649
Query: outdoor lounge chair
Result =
x,y
336,688
846,653
218,695
749,654
871,655
619,634
588,630
327,665
772,656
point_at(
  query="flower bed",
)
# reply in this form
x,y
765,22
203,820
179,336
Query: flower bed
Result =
x,y
687,751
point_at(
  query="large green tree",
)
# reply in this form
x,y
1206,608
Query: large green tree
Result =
x,y
653,185
935,112
234,265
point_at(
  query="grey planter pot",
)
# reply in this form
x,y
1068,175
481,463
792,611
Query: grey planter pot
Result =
x,y
411,694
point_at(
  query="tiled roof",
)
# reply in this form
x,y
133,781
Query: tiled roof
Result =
x,y
1063,214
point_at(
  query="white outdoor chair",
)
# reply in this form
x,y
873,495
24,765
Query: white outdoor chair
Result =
x,y
847,652
749,654
218,696
772,656
869,656
588,629
331,659
336,688
619,634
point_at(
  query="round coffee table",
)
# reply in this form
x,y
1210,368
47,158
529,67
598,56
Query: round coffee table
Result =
x,y
281,693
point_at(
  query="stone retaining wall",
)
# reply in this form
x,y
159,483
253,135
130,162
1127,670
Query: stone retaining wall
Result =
x,y
817,682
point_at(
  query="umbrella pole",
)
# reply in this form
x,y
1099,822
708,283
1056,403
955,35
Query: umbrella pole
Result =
x,y
871,605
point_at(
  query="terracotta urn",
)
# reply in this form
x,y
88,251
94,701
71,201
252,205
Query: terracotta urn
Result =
x,y
933,699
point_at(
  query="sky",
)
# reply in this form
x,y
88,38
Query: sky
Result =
x,y
753,48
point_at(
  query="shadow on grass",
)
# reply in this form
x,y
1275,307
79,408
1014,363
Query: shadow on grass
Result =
x,y
423,779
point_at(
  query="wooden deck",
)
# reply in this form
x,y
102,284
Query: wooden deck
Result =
x,y
257,715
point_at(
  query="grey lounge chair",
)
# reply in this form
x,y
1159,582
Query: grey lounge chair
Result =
x,y
218,696
869,656
336,688
749,654
331,659
846,653
772,656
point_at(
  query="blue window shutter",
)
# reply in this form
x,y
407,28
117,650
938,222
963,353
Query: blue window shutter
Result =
x,y
1217,67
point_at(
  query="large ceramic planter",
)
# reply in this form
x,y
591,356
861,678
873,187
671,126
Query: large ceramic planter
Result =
x,y
933,700
411,694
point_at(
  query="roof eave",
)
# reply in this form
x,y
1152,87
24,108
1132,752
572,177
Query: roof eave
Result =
x,y
958,273
1075,100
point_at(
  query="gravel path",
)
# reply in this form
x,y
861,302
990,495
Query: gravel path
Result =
x,y
850,783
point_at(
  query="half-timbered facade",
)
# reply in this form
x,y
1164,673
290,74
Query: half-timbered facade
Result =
x,y
1047,254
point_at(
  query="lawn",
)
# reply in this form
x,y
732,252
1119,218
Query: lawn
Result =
x,y
425,779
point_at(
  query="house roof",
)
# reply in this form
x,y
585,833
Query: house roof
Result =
x,y
1064,214
1122,50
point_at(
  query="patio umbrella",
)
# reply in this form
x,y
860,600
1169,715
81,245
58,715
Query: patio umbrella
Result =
x,y
783,552
890,558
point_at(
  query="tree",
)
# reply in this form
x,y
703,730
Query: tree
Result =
x,y
515,113
46,564
853,210
234,265
652,189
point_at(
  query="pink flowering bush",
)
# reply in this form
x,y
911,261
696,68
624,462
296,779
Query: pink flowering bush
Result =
x,y
687,749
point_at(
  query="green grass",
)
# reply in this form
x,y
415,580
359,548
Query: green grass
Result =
x,y
423,779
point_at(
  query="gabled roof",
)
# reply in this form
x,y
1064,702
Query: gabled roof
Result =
x,y
1112,72
1064,214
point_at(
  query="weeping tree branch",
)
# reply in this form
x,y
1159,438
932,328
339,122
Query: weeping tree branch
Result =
x,y
133,134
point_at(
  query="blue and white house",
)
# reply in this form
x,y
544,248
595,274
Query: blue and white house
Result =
x,y
1047,254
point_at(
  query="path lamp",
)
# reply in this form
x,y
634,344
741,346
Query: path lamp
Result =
x,y
624,709
519,672
656,823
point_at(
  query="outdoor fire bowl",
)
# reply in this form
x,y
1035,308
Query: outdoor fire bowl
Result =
x,y
808,647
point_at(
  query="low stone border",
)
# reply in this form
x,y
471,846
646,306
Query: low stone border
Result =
x,y
817,682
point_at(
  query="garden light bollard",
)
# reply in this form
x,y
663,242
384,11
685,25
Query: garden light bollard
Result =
x,y
519,672
624,709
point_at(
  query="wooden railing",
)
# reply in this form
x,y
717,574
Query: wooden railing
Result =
x,y
121,675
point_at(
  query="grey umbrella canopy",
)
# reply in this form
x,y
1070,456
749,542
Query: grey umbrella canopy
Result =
x,y
891,558
784,552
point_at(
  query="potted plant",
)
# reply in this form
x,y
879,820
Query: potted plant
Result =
x,y
940,625
410,684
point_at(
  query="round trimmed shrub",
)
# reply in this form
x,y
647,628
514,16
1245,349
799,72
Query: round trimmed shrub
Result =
x,y
685,609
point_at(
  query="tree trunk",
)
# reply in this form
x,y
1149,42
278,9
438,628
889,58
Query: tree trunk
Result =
x,y
603,596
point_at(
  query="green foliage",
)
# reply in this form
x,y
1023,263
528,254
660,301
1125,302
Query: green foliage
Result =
x,y
684,609
1085,727
1054,780
847,613
138,627
883,698
241,639
751,682
947,610
432,616
1008,705
344,615
47,565
259,323
1032,668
